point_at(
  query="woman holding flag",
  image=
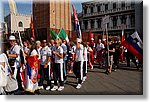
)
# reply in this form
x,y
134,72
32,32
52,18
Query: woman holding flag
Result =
x,y
31,71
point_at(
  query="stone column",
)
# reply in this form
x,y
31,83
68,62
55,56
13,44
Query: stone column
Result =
x,y
111,23
89,24
95,24
109,4
102,7
89,10
83,11
82,25
95,8
118,22
128,21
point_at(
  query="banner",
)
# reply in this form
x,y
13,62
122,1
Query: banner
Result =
x,y
134,44
77,25
62,34
31,74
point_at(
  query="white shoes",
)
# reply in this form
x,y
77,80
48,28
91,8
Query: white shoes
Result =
x,y
54,88
40,87
84,78
78,86
48,88
60,88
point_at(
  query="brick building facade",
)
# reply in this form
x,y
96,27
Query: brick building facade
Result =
x,y
51,15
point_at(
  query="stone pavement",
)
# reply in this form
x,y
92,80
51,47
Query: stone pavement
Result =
x,y
125,81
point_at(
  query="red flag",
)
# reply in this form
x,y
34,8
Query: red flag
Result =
x,y
32,27
31,74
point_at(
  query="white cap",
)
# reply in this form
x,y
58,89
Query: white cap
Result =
x,y
38,42
92,38
12,37
79,40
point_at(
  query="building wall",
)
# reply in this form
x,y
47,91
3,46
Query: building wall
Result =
x,y
139,18
121,12
25,19
52,15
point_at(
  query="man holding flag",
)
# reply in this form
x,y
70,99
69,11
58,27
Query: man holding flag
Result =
x,y
134,44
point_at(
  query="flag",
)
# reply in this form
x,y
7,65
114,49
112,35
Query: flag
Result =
x,y
62,34
31,73
32,27
53,34
134,44
77,25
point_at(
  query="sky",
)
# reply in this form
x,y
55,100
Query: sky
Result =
x,y
25,6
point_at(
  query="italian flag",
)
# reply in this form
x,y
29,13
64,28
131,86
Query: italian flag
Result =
x,y
53,34
62,35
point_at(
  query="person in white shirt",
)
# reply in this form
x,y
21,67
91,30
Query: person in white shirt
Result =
x,y
14,55
15,60
63,45
85,61
78,65
58,67
99,47
38,47
45,54
25,47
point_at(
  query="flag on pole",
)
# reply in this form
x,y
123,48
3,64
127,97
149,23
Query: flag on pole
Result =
x,y
134,44
32,27
77,25
62,34
53,34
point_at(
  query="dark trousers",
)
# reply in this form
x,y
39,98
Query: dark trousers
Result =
x,y
78,71
44,75
58,74
84,68
65,70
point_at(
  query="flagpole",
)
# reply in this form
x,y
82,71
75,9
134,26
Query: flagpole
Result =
x,y
107,45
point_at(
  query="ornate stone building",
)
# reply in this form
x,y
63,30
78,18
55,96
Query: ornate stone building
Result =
x,y
121,12
53,14
18,22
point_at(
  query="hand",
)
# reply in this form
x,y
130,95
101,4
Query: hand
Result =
x,y
7,52
46,65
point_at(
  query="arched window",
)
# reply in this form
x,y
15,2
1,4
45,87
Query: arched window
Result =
x,y
20,24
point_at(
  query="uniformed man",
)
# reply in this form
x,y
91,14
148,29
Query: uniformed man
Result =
x,y
63,45
14,59
45,66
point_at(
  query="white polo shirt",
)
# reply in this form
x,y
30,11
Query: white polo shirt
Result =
x,y
16,50
64,51
100,46
79,53
58,50
85,54
45,53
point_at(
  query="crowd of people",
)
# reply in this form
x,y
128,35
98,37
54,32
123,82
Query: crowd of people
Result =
x,y
59,58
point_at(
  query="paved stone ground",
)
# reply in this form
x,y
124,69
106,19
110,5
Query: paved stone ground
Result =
x,y
125,81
